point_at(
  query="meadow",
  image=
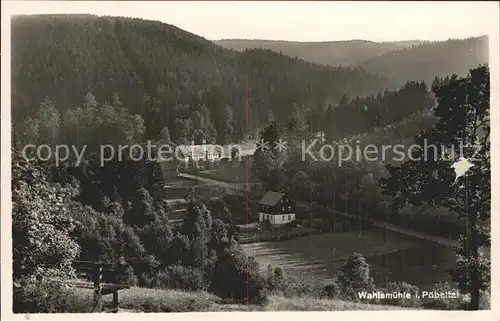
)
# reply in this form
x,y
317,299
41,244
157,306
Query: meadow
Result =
x,y
230,173
138,299
177,188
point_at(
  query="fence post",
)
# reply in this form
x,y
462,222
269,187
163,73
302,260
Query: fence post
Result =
x,y
115,302
97,286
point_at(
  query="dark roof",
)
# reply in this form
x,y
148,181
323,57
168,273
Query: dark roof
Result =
x,y
271,198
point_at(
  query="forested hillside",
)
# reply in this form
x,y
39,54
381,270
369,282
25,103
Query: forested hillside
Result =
x,y
333,53
400,61
426,61
166,75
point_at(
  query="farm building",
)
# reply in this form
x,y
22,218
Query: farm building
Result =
x,y
202,152
210,152
277,208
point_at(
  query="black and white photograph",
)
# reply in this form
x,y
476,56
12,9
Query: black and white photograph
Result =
x,y
219,156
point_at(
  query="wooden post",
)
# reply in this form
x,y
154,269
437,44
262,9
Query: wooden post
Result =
x,y
97,287
115,302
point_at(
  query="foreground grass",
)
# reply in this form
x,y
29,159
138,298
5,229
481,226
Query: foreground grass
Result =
x,y
281,303
157,300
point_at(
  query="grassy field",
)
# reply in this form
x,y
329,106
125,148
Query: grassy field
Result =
x,y
156,300
392,258
230,173
178,188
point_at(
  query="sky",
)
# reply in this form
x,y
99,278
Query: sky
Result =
x,y
294,20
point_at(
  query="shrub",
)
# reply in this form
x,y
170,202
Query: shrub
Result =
x,y
128,277
446,303
485,300
274,277
47,297
402,287
330,290
182,277
290,285
354,276
236,276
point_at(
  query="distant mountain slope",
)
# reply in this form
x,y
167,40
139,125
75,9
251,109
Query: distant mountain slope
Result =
x,y
400,61
426,61
164,73
335,53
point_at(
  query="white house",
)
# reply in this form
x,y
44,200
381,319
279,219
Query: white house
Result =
x,y
213,152
202,152
277,208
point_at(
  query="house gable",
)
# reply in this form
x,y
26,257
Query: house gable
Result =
x,y
275,203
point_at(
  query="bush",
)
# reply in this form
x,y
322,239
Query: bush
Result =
x,y
182,277
402,287
445,303
274,277
354,276
236,276
47,297
485,300
289,285
128,277
330,290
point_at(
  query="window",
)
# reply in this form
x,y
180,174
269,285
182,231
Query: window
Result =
x,y
283,209
283,217
289,217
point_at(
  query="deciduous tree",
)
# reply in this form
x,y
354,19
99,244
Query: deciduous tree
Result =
x,y
463,130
